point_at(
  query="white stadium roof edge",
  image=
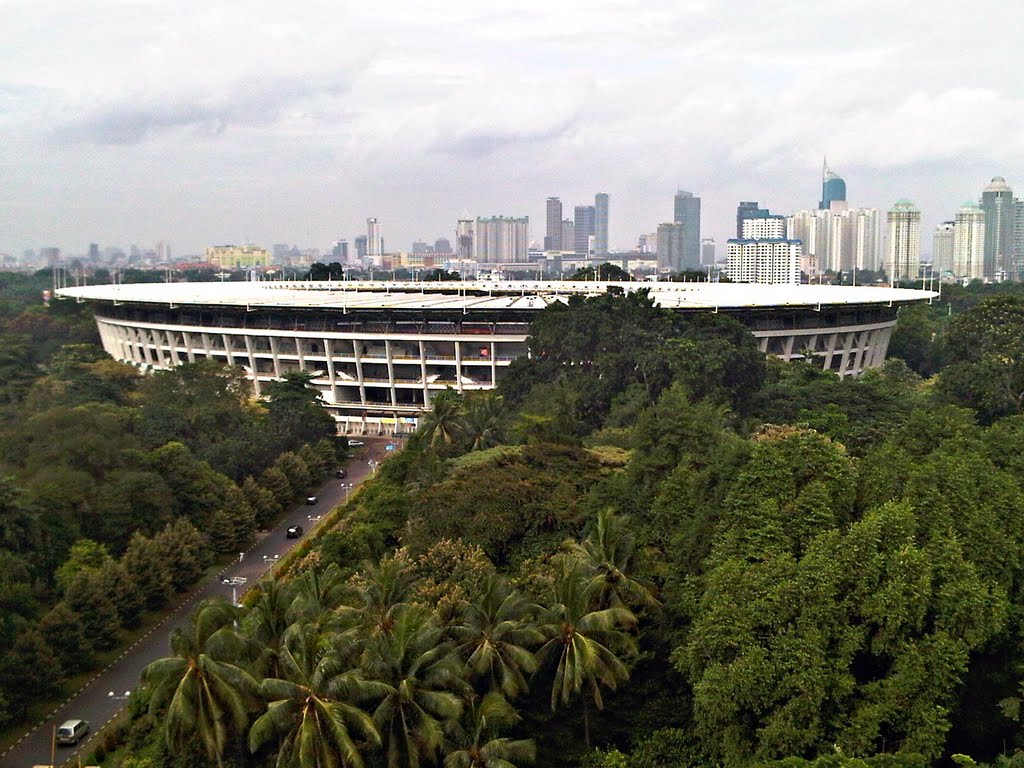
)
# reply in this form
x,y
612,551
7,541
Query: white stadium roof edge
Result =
x,y
530,294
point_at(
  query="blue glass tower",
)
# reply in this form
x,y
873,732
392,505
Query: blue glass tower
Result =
x,y
832,187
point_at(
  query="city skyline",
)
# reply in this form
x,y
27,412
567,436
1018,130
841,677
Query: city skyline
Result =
x,y
298,124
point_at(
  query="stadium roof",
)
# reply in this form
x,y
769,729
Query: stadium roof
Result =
x,y
526,295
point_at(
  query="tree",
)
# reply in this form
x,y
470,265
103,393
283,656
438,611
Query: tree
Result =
x,y
89,596
310,705
610,552
62,630
185,551
206,693
144,560
985,346
496,635
484,420
441,425
262,501
29,670
481,747
582,643
422,681
86,555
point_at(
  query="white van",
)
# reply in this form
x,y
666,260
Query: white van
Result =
x,y
72,732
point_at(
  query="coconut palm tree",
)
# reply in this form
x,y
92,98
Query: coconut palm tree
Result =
x,y
483,422
496,634
312,707
441,425
583,643
481,747
610,552
317,592
385,589
207,695
423,682
267,619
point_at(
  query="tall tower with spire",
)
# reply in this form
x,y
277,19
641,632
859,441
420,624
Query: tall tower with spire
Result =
x,y
832,187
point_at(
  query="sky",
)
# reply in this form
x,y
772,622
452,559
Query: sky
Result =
x,y
209,122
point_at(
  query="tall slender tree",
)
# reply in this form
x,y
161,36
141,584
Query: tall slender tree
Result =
x,y
480,745
208,696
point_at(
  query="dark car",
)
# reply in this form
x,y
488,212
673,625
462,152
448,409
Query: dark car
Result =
x,y
311,500
294,532
340,473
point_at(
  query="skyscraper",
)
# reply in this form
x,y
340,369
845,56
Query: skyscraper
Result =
x,y
464,237
374,244
553,231
584,217
360,246
686,211
671,237
601,224
942,248
568,234
969,242
903,259
707,251
833,188
1018,235
997,203
442,245
501,239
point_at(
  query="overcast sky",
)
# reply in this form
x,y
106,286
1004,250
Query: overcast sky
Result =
x,y
203,122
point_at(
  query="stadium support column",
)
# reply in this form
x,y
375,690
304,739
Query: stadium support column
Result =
x,y
275,356
329,354
172,347
357,352
189,346
494,364
228,348
300,353
144,345
458,365
391,373
862,342
830,351
206,345
252,365
423,374
847,347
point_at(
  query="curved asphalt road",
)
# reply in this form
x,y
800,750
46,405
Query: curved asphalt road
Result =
x,y
94,702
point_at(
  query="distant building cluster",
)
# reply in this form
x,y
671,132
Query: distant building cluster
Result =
x,y
834,241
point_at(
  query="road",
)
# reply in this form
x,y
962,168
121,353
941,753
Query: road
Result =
x,y
104,696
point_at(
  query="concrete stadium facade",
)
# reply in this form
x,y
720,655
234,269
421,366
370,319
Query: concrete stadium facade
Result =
x,y
378,352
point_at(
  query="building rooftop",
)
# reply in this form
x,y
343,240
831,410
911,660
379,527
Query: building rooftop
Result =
x,y
470,296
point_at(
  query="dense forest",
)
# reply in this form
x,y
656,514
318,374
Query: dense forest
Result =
x,y
118,491
651,548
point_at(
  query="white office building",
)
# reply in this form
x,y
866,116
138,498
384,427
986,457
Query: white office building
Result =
x,y
770,261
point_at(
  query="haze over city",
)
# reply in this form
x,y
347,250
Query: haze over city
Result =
x,y
200,123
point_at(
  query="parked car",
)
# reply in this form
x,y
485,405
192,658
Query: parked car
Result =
x,y
311,500
340,473
356,443
294,532
72,732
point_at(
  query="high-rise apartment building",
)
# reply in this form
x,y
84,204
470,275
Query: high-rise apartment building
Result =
x,y
997,202
464,230
601,224
769,261
903,259
1018,235
686,211
833,188
942,248
584,218
748,209
553,219
671,242
707,251
969,242
838,238
361,248
340,251
772,227
501,240
374,242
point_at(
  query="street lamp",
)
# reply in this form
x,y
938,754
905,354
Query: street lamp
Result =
x,y
235,582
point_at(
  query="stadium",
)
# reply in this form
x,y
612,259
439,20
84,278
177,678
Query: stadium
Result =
x,y
378,351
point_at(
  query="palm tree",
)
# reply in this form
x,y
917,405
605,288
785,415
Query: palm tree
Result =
x,y
317,592
206,693
267,620
582,642
442,423
481,427
482,748
310,706
386,588
610,552
495,635
422,679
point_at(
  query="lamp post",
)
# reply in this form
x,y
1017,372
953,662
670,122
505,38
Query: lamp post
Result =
x,y
235,582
